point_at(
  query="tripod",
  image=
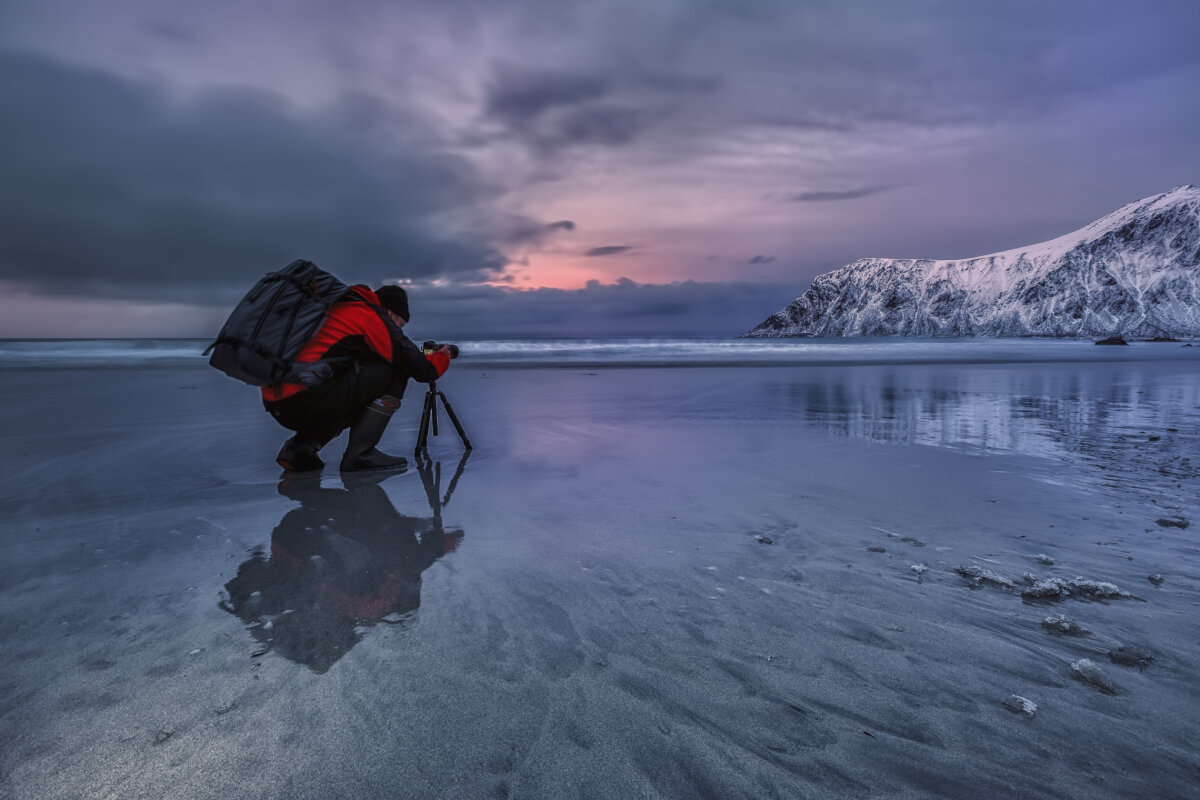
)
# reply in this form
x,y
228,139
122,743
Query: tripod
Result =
x,y
429,418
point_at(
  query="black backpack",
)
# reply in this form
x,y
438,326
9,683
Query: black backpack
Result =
x,y
273,321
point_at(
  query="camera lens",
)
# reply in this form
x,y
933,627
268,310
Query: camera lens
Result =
x,y
429,347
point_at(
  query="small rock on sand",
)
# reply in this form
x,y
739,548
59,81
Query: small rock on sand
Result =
x,y
1065,626
1057,588
1173,523
1156,579
979,576
1087,671
1020,705
1131,656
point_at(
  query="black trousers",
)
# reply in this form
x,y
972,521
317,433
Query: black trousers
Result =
x,y
322,412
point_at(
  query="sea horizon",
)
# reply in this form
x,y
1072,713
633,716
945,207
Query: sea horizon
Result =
x,y
636,351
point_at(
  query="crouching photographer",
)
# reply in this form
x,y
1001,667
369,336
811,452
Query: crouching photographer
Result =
x,y
358,364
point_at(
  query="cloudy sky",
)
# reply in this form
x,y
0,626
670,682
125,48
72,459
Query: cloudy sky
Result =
x,y
560,167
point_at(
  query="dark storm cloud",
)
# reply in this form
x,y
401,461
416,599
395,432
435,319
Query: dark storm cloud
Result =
x,y
517,96
107,186
177,34
624,308
602,126
551,110
519,231
609,250
680,83
829,196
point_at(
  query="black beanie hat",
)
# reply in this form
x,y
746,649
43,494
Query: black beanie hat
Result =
x,y
394,299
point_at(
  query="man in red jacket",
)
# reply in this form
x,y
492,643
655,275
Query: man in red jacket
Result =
x,y
361,364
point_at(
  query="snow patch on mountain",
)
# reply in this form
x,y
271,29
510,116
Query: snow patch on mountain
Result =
x,y
1133,273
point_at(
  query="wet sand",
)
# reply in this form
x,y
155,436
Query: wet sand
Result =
x,y
702,582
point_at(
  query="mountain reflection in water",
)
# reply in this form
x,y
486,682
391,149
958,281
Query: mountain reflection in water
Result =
x,y
342,561
1126,420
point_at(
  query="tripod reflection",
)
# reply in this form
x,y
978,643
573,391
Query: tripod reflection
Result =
x,y
341,562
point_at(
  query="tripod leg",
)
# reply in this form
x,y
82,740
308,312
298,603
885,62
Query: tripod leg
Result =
x,y
457,426
423,435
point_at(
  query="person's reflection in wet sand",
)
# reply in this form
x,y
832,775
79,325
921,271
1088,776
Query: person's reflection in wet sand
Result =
x,y
344,560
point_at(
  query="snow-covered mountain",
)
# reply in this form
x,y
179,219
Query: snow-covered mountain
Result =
x,y
1134,273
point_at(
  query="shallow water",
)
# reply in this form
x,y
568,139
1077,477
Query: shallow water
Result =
x,y
640,583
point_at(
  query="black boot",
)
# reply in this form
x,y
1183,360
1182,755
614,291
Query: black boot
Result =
x,y
366,432
299,454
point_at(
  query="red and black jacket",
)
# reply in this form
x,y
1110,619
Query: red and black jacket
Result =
x,y
358,328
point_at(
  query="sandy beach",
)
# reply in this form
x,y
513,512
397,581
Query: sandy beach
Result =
x,y
758,582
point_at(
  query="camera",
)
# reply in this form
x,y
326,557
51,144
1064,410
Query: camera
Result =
x,y
429,347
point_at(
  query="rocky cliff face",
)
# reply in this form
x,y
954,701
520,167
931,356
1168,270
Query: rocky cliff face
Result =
x,y
1134,273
